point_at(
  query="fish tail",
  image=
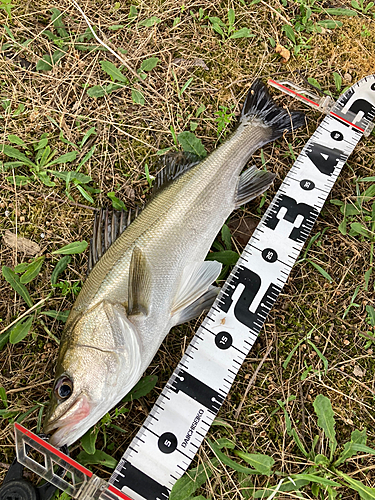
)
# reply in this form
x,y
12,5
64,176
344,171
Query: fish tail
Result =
x,y
259,104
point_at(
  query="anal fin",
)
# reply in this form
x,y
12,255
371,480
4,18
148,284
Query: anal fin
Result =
x,y
251,184
200,305
195,291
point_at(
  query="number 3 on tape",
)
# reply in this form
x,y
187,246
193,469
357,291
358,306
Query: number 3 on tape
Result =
x,y
167,442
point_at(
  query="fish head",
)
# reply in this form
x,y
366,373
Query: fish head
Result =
x,y
98,363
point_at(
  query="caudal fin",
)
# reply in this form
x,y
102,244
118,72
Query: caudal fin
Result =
x,y
259,104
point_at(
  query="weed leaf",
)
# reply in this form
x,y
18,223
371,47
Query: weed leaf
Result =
x,y
60,268
117,204
137,97
242,33
20,330
288,30
338,80
261,463
329,24
18,180
88,440
316,479
14,139
3,397
32,270
326,421
222,423
72,248
191,144
226,237
96,91
90,132
14,153
228,461
184,487
99,457
321,270
365,492
340,12
149,64
144,386
4,337
66,158
288,485
231,17
226,257
60,316
151,21
15,283
85,194
113,72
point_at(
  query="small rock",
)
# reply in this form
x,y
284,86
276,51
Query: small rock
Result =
x,y
348,77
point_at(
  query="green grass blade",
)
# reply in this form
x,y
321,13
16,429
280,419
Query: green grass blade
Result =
x,y
321,270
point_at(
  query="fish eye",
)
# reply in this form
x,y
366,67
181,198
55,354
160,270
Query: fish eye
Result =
x,y
63,388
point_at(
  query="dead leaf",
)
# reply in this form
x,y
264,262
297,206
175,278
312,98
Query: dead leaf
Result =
x,y
129,193
243,228
358,372
285,53
190,63
22,245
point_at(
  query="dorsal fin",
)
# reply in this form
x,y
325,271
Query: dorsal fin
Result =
x,y
173,165
108,225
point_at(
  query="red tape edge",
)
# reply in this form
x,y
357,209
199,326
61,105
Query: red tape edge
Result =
x,y
119,493
52,449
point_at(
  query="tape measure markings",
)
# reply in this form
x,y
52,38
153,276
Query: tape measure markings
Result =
x,y
197,388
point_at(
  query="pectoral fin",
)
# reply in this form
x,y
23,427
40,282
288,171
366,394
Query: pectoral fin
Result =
x,y
139,283
195,293
251,184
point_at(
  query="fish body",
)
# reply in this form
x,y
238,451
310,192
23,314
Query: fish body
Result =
x,y
154,276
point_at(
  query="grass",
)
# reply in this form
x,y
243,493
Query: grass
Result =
x,y
178,42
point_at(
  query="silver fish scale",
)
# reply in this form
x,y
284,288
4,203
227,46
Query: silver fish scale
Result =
x,y
168,440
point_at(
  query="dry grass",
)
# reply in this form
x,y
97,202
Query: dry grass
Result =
x,y
128,137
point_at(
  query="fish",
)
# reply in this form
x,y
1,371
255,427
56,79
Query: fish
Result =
x,y
150,274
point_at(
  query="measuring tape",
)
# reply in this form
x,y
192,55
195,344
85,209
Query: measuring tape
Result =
x,y
167,442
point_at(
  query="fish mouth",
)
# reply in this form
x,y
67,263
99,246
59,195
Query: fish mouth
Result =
x,y
67,426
